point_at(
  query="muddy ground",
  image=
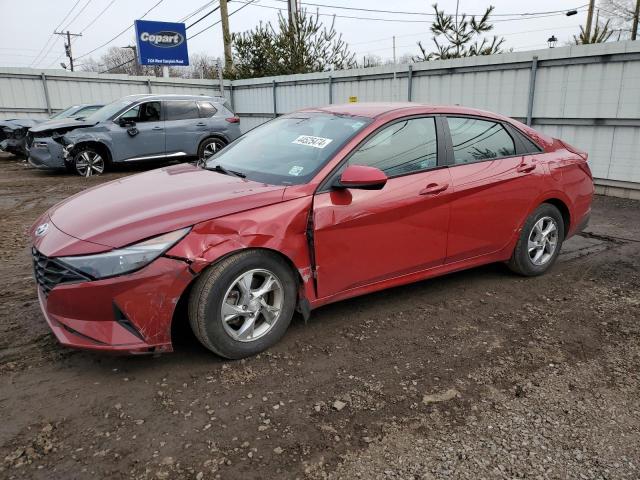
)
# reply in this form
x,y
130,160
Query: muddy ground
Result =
x,y
480,374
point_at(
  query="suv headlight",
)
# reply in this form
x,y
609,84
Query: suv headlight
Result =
x,y
126,259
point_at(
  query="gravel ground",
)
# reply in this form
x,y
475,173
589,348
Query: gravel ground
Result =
x,y
479,374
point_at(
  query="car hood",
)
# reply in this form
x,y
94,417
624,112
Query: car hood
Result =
x,y
19,123
133,208
65,123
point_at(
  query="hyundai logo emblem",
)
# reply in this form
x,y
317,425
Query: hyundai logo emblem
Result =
x,y
42,229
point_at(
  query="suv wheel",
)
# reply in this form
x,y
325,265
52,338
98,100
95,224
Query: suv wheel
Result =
x,y
88,161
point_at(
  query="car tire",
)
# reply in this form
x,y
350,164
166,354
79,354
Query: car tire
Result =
x,y
87,162
539,243
208,147
223,302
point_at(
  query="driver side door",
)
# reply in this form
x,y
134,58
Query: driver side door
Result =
x,y
144,139
367,236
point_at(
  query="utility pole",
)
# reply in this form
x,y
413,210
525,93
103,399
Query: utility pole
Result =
x,y
220,79
226,35
587,30
634,28
394,49
134,49
292,7
67,46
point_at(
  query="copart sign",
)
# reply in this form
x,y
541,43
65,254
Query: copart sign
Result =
x,y
161,43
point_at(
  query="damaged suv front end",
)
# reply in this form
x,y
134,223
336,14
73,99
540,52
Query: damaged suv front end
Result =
x,y
13,135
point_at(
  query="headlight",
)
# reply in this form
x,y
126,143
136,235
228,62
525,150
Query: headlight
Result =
x,y
127,259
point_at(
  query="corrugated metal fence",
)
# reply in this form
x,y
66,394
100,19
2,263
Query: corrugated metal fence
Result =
x,y
588,95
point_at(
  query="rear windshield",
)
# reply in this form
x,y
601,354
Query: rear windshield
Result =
x,y
289,150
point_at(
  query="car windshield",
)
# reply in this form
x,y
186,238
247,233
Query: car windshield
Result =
x,y
64,113
107,111
288,150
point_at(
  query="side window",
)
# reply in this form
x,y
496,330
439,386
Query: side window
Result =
x,y
403,147
144,112
181,110
206,109
475,140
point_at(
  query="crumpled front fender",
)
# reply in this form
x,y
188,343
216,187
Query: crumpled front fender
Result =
x,y
281,228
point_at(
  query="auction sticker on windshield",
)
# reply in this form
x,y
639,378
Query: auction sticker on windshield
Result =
x,y
309,141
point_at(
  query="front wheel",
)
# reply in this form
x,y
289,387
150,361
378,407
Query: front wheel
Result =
x,y
540,241
243,305
208,148
88,162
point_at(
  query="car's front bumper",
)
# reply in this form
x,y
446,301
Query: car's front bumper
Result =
x,y
46,153
127,314
14,145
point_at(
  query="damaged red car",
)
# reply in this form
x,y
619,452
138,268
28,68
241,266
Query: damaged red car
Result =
x,y
310,208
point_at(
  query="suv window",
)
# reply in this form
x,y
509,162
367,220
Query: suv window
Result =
x,y
206,109
144,112
403,147
475,140
181,110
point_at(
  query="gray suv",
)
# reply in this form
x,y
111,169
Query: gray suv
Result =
x,y
134,129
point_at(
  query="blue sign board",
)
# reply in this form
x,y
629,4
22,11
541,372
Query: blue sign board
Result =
x,y
161,43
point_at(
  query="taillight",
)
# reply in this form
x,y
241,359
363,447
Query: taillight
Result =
x,y
233,119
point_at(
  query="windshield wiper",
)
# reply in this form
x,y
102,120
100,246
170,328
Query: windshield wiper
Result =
x,y
221,169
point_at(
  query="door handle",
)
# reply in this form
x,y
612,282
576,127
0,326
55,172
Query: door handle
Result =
x,y
201,124
157,128
526,167
434,188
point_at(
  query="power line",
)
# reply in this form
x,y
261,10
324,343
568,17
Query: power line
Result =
x,y
53,34
340,7
197,11
78,14
97,16
204,16
246,4
119,34
400,20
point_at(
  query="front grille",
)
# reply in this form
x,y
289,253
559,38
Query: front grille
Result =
x,y
49,272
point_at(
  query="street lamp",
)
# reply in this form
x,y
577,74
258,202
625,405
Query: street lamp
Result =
x,y
551,41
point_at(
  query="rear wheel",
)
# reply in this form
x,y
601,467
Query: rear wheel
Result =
x,y
243,305
540,241
208,148
88,161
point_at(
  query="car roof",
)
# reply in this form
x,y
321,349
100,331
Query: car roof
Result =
x,y
171,96
376,109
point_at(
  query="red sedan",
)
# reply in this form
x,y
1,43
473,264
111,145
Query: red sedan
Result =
x,y
313,207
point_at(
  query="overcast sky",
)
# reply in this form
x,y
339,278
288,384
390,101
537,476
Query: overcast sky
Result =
x,y
28,25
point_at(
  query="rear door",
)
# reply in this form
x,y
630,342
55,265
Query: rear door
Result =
x,y
366,236
144,139
493,185
184,128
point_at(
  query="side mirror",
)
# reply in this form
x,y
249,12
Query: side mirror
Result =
x,y
360,176
125,122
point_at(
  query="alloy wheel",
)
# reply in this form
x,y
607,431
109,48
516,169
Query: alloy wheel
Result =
x,y
252,305
543,241
89,163
209,150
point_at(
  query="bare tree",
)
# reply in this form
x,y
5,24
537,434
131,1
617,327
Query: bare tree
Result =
x,y
457,36
123,60
620,14
370,60
201,65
